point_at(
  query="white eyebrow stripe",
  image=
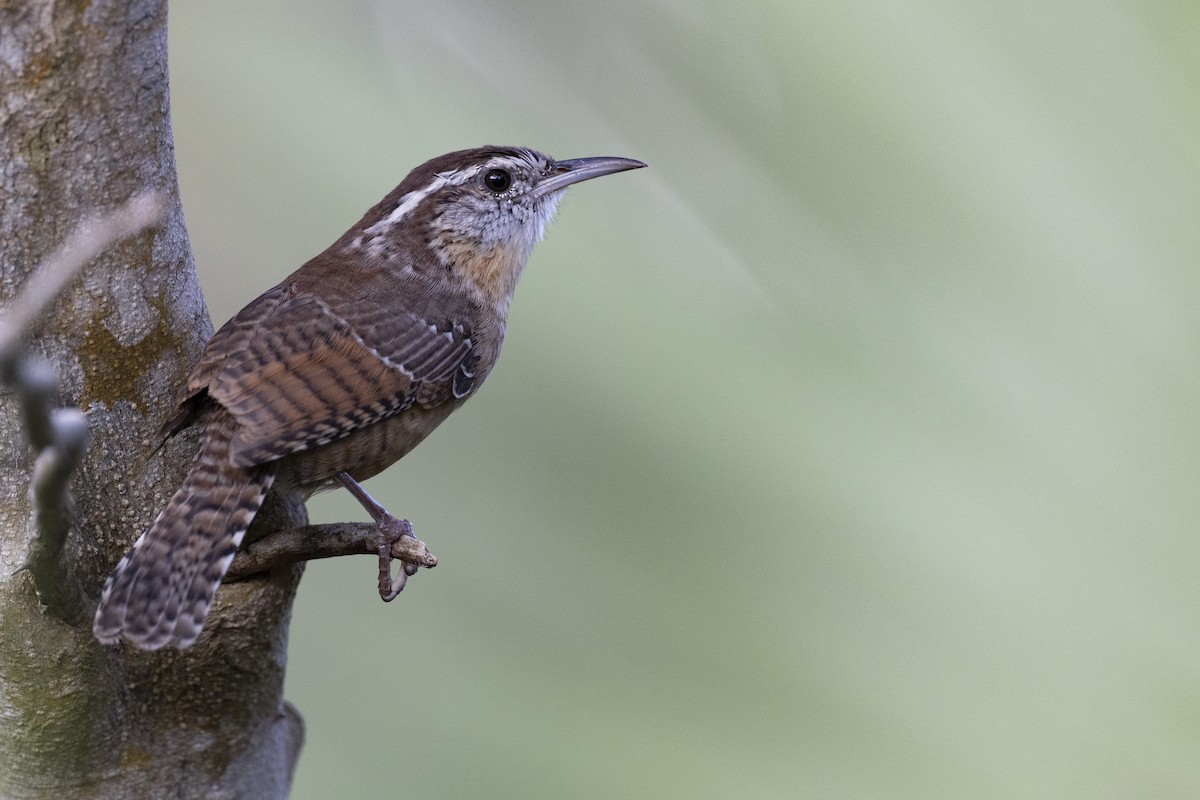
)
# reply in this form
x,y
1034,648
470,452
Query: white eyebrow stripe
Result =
x,y
414,198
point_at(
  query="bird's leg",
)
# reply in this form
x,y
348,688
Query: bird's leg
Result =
x,y
390,531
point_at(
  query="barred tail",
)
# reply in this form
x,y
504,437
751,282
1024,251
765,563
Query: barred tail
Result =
x,y
161,591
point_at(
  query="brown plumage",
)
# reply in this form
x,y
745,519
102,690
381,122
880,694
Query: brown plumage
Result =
x,y
343,367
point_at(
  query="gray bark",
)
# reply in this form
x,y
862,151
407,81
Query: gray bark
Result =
x,y
84,124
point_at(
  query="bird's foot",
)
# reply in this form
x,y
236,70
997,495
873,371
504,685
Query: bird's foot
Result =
x,y
391,531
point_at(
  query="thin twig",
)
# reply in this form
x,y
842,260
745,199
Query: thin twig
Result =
x,y
89,240
36,385
51,500
59,436
322,541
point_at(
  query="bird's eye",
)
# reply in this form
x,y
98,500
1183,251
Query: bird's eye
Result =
x,y
497,180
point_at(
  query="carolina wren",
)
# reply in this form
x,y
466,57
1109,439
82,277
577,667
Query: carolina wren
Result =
x,y
340,370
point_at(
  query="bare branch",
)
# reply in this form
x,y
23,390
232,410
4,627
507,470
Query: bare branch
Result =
x,y
89,240
323,541
36,384
59,436
50,496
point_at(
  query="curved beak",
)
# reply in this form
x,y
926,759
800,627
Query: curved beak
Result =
x,y
574,170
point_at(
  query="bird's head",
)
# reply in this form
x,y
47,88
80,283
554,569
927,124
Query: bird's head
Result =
x,y
477,213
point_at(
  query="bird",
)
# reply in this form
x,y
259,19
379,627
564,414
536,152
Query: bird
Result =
x,y
340,370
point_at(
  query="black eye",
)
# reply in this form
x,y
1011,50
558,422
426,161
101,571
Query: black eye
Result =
x,y
497,180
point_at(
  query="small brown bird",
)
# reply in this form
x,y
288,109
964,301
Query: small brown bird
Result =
x,y
340,370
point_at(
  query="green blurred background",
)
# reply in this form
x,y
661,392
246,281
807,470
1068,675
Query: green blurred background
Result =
x,y
849,451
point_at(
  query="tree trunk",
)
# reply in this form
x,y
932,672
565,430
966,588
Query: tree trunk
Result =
x,y
84,124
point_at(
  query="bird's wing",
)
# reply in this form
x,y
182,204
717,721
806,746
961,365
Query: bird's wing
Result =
x,y
295,374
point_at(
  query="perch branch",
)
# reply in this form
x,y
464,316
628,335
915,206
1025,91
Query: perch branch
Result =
x,y
284,547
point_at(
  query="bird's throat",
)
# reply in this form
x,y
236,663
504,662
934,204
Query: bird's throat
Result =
x,y
492,274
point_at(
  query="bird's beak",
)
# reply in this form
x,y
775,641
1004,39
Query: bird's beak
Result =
x,y
574,170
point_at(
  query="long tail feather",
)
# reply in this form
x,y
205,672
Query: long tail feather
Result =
x,y
161,591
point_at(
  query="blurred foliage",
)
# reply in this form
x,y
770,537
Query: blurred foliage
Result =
x,y
849,451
